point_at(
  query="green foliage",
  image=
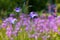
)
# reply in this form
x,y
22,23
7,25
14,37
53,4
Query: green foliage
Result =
x,y
25,7
7,6
37,5
58,1
10,4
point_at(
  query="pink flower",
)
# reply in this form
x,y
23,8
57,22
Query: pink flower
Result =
x,y
9,33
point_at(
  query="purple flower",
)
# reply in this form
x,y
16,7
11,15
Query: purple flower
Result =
x,y
8,33
4,25
17,28
55,28
27,28
9,19
33,14
50,17
35,27
12,15
17,9
44,38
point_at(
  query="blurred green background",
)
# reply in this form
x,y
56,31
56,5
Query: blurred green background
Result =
x,y
7,6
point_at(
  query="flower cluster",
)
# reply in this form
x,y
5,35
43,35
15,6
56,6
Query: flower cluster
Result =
x,y
35,27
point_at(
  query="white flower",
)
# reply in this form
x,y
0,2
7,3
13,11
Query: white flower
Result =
x,y
13,21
